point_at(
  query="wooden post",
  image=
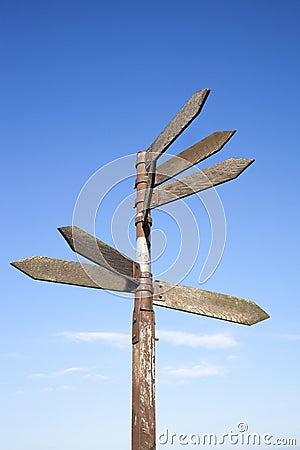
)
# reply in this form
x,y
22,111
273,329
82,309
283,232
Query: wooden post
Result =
x,y
143,327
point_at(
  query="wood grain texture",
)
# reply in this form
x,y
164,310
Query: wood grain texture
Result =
x,y
97,251
192,155
143,384
178,124
205,179
206,303
75,273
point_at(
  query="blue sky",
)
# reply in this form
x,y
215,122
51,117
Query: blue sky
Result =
x,y
86,83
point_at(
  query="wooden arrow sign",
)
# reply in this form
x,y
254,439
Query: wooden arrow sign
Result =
x,y
206,303
98,252
192,155
75,273
167,295
184,160
205,179
178,124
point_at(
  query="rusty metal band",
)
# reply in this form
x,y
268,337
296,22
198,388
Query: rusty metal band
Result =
x,y
145,289
141,178
141,158
141,185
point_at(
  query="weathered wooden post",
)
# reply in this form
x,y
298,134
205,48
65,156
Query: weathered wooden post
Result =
x,y
143,325
115,271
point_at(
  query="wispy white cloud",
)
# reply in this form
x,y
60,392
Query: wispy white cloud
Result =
x,y
38,375
60,373
47,389
96,376
210,341
232,357
85,372
19,392
195,371
119,340
71,370
64,387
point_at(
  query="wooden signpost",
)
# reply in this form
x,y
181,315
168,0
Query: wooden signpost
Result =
x,y
114,271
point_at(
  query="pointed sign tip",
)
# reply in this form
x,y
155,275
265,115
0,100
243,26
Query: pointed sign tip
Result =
x,y
208,90
239,165
14,264
69,230
248,162
20,262
202,93
229,132
261,316
67,234
63,229
22,265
